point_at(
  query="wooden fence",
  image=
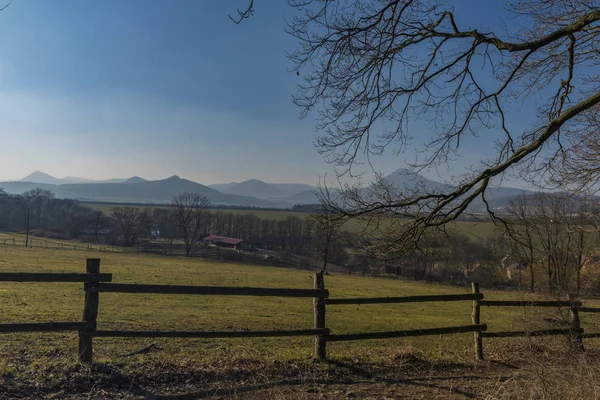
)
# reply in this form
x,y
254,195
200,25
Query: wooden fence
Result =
x,y
96,283
42,243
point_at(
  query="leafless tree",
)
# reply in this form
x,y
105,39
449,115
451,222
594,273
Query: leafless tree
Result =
x,y
165,225
555,231
328,230
39,199
97,222
519,231
129,223
371,68
189,209
586,233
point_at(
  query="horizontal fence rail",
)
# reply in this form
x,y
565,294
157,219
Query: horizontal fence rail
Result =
x,y
53,277
406,299
205,290
544,332
590,335
588,309
524,303
43,327
186,334
408,333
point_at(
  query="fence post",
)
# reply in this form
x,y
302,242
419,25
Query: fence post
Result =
x,y
90,313
576,339
476,317
319,308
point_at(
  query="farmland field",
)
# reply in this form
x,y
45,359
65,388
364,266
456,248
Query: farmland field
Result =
x,y
63,302
476,231
36,356
268,214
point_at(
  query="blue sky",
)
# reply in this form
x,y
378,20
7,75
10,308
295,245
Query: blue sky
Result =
x,y
103,89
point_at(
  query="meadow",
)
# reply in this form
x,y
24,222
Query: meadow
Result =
x,y
49,361
27,302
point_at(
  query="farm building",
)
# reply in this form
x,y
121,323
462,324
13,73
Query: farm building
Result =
x,y
222,241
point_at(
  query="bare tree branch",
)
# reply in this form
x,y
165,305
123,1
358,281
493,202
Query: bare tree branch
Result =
x,y
374,67
244,14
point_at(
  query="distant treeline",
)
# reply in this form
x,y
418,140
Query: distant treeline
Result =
x,y
39,209
305,208
185,220
189,219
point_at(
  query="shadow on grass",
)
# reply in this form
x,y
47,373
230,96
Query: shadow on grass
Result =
x,y
271,380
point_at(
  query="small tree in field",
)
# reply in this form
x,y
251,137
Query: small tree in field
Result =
x,y
189,216
328,230
164,224
129,223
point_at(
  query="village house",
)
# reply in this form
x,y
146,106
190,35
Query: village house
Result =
x,y
222,241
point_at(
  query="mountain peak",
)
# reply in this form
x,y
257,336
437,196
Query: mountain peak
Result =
x,y
405,179
253,181
39,174
40,177
404,171
135,179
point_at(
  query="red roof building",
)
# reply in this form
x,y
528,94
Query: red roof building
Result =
x,y
223,241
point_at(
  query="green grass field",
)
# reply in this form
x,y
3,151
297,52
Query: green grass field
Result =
x,y
28,302
46,363
267,214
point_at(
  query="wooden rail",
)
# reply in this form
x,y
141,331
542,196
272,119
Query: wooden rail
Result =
x,y
212,335
53,277
42,327
544,332
406,299
523,303
408,333
590,335
588,309
205,290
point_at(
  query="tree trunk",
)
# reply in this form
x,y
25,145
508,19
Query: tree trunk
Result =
x,y
325,256
27,229
531,284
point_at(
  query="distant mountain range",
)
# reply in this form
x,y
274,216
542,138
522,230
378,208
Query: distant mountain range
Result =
x,y
250,193
496,197
41,177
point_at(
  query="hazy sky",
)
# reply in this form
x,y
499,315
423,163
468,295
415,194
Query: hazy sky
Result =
x,y
104,89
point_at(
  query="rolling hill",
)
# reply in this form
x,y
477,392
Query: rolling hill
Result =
x,y
406,179
263,190
41,177
250,193
135,191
